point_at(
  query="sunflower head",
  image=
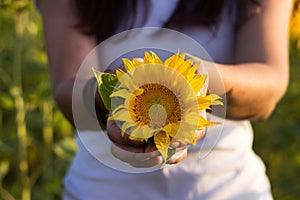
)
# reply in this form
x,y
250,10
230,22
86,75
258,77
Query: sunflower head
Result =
x,y
160,100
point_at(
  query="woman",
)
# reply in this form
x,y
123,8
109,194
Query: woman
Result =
x,y
247,39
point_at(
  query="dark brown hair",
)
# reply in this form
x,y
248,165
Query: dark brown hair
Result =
x,y
102,17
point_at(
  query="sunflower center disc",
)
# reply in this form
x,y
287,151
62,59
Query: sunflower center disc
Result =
x,y
158,115
156,106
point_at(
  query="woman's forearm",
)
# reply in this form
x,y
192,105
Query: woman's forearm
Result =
x,y
253,89
87,100
63,97
259,78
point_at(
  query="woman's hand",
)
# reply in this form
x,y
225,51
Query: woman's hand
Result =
x,y
141,154
137,154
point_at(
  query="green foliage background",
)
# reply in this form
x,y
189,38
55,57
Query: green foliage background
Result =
x,y
37,144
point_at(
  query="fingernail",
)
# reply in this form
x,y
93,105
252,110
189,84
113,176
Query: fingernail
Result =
x,y
174,144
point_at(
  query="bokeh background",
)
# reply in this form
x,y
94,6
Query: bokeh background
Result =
x,y
37,144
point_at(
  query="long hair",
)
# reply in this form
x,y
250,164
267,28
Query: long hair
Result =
x,y
102,17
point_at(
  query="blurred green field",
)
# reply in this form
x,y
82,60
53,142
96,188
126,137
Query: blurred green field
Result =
x,y
277,140
37,144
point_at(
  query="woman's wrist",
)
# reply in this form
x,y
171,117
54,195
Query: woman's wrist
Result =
x,y
101,111
93,102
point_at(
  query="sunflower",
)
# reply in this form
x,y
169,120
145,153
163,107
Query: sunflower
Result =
x,y
161,101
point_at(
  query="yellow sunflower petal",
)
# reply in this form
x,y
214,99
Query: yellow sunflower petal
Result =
x,y
118,108
191,73
119,73
203,123
122,115
186,133
162,142
183,68
148,132
128,64
127,125
197,64
148,58
136,132
206,101
156,59
171,129
127,82
132,137
171,61
215,100
111,118
138,91
197,83
177,64
121,93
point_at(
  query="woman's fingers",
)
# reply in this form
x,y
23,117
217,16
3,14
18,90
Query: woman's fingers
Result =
x,y
200,134
182,148
114,134
181,155
135,156
141,154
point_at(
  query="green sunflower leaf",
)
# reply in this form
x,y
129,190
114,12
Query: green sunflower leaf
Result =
x,y
171,152
106,85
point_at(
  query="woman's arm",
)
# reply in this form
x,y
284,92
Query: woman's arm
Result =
x,y
66,48
260,77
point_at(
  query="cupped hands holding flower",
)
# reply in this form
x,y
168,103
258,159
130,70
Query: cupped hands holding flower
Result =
x,y
157,109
